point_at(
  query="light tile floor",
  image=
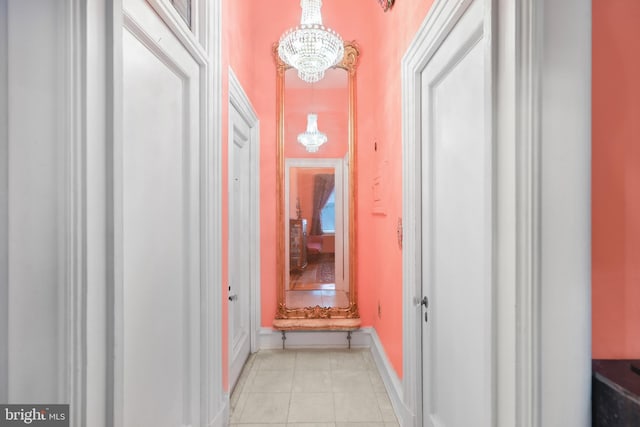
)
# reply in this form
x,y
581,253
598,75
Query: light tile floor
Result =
x,y
311,388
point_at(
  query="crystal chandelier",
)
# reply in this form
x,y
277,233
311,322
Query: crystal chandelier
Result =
x,y
311,48
312,139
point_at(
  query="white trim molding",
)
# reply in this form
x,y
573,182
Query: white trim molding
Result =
x,y
75,240
392,383
214,401
528,214
552,213
205,46
174,21
272,339
43,170
441,18
564,178
543,211
221,418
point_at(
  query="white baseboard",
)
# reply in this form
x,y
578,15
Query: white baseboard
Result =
x,y
362,338
222,417
272,339
390,379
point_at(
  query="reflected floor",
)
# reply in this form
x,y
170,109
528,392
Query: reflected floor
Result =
x,y
313,388
323,298
319,273
313,286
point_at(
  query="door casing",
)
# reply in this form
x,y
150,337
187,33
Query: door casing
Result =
x,y
239,100
203,43
542,208
457,193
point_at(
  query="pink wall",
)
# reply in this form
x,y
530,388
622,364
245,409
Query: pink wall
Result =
x,y
250,28
616,179
395,30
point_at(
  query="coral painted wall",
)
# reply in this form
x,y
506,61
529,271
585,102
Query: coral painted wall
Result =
x,y
250,28
616,179
381,137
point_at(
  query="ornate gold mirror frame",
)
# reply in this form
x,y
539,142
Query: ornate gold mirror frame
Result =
x,y
317,317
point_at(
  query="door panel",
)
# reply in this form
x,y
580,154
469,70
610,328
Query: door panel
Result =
x,y
159,210
240,175
457,244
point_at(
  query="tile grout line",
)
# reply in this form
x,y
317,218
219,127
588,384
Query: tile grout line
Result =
x,y
295,364
335,355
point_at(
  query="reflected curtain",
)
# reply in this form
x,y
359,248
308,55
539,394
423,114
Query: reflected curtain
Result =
x,y
322,187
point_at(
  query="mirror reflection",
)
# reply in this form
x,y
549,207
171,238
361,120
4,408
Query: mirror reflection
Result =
x,y
316,209
316,198
322,104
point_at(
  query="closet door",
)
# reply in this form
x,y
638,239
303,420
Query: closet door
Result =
x,y
457,203
157,227
297,244
240,241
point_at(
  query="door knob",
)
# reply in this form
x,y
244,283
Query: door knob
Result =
x,y
233,297
425,302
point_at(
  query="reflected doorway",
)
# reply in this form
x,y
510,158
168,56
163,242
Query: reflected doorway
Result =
x,y
315,234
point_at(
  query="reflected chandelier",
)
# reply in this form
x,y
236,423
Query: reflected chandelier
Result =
x,y
311,48
312,138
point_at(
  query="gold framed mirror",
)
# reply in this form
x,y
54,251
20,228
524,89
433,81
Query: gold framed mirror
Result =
x,y
316,191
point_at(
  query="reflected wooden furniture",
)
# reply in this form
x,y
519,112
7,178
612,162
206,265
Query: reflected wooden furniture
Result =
x,y
297,244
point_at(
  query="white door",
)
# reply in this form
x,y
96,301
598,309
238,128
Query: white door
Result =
x,y
240,176
457,227
157,227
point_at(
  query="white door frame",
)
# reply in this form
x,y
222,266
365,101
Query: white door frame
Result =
x,y
468,35
240,101
60,27
88,70
542,213
439,22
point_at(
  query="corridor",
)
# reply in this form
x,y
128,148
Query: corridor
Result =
x,y
153,187
312,388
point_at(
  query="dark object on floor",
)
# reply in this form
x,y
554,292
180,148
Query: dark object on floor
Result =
x,y
616,393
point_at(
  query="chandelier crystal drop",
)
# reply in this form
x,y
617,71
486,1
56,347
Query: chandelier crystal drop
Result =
x,y
311,48
312,139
